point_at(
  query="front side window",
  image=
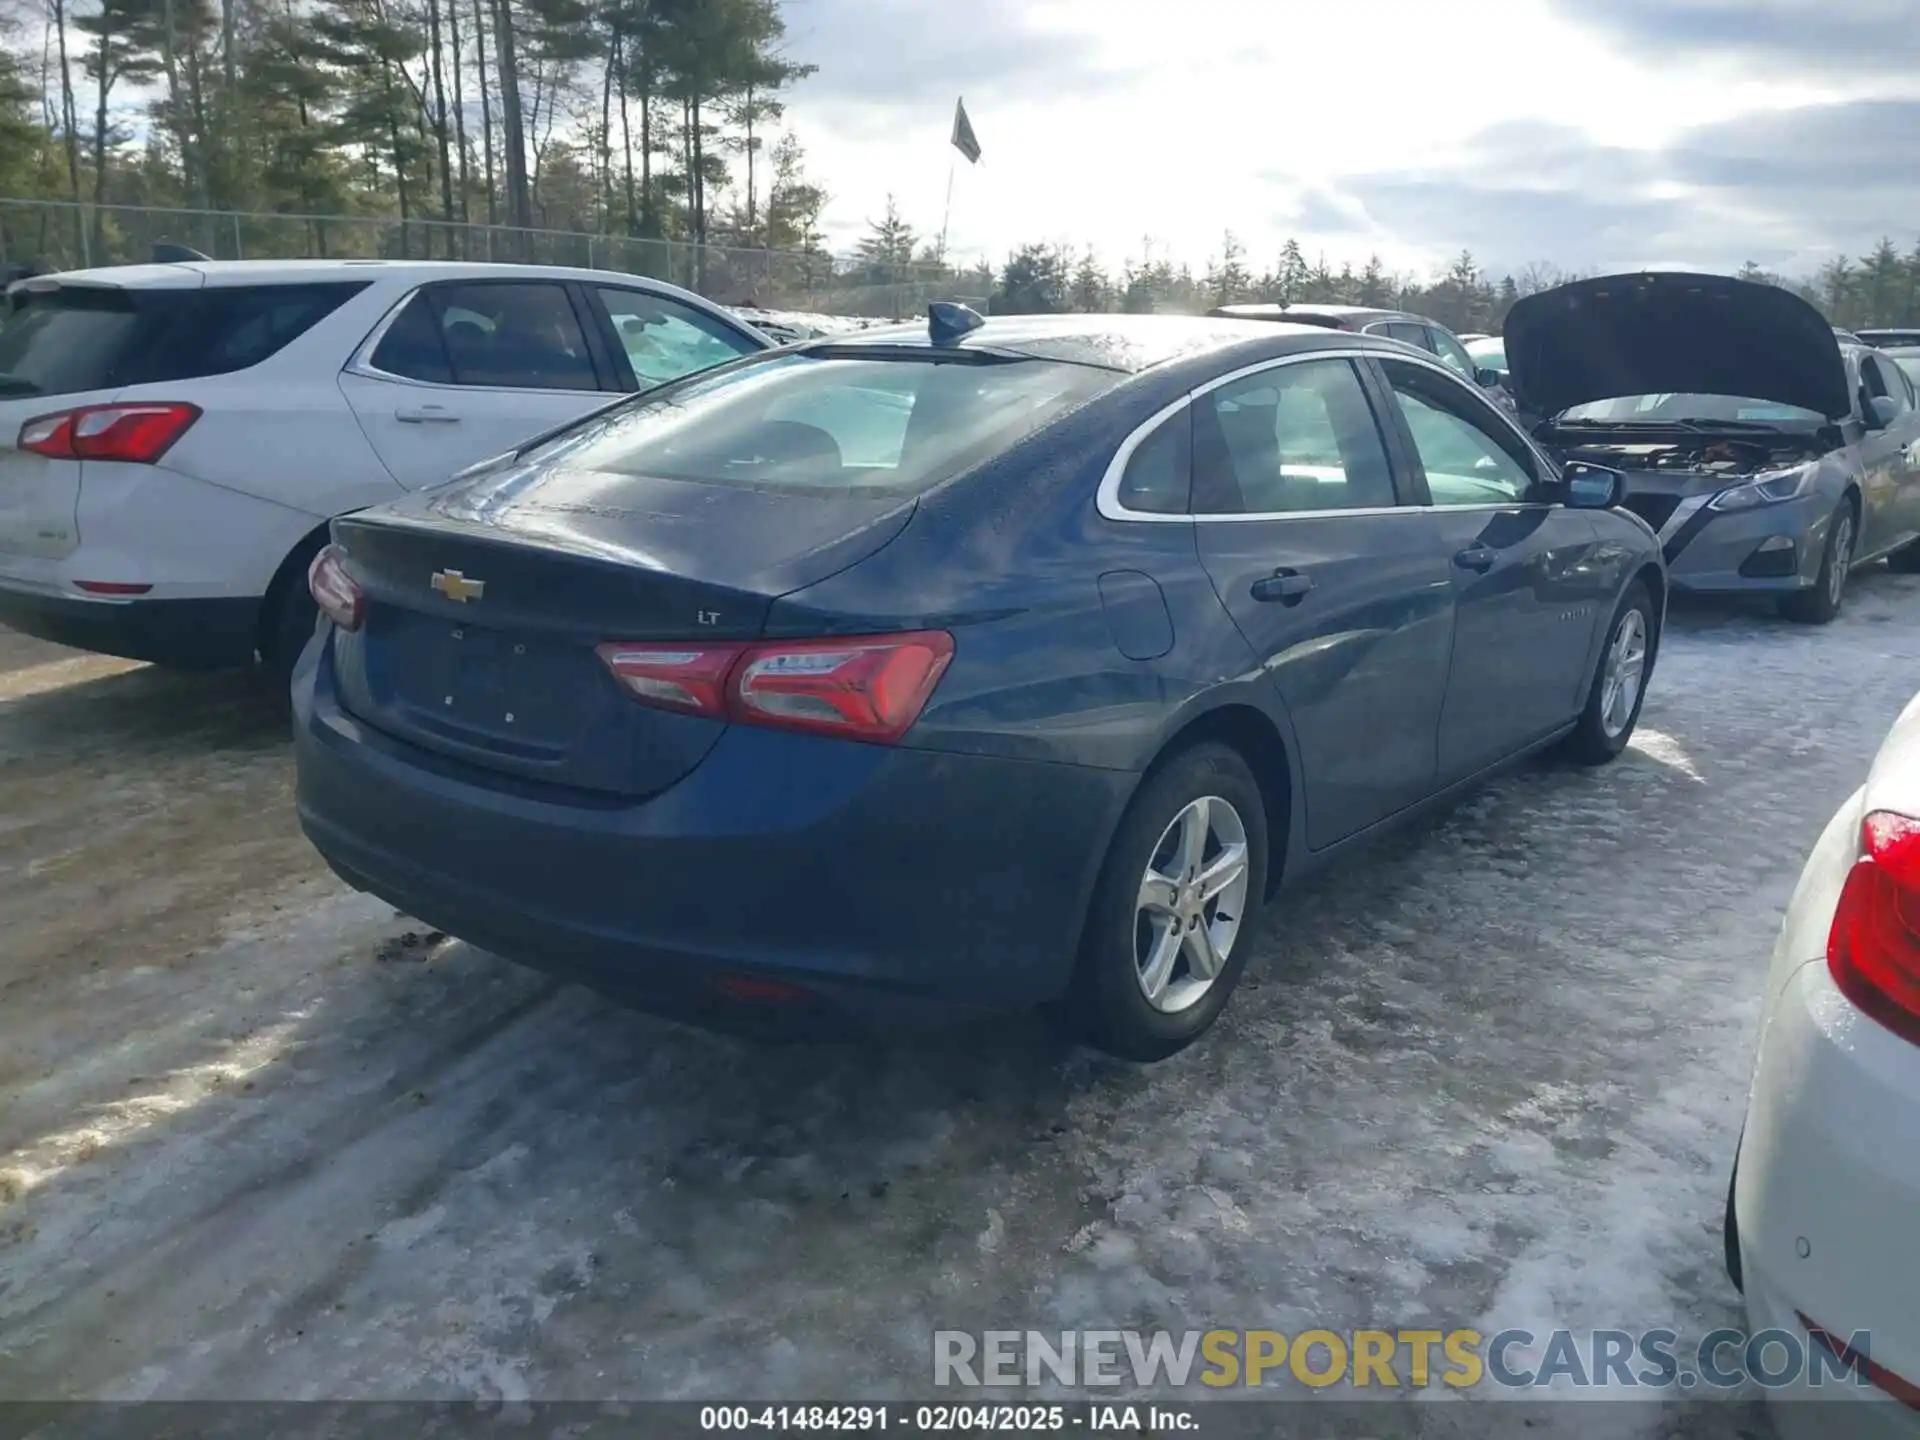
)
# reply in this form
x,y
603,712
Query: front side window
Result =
x,y
830,423
663,339
515,336
1294,438
1451,353
1468,460
1880,380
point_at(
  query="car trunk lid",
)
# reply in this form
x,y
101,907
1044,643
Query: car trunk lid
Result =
x,y
1672,333
485,605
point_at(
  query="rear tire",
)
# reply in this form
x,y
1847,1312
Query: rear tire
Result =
x,y
1821,604
1619,685
1730,1233
1141,988
287,617
1905,560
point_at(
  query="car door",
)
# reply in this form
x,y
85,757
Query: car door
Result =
x,y
1889,465
1528,598
659,338
467,369
1332,580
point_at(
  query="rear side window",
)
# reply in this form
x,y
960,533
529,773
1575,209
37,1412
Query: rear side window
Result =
x,y
80,338
1158,477
503,336
834,424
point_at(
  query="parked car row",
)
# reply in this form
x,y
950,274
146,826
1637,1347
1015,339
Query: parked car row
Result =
x,y
985,664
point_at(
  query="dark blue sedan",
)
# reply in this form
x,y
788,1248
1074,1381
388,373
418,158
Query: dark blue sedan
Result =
x,y
973,665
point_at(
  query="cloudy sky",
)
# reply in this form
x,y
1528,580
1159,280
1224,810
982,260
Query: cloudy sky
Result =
x,y
1586,133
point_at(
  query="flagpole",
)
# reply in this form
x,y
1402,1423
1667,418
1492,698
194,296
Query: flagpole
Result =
x,y
946,215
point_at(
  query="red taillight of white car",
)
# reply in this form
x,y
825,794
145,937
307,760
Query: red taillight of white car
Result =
x,y
136,433
870,687
334,591
1873,950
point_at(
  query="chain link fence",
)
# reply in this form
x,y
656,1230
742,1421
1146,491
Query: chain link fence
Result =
x,y
64,235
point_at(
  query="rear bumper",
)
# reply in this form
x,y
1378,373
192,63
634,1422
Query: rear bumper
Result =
x,y
878,879
211,634
1830,1165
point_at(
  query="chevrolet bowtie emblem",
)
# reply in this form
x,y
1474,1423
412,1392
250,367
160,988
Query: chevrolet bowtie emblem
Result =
x,y
457,587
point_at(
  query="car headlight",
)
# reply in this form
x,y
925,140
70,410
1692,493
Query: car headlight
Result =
x,y
1773,489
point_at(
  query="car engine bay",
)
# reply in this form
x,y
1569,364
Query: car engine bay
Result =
x,y
1700,455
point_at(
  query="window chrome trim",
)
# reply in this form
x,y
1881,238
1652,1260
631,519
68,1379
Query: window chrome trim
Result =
x,y
1107,497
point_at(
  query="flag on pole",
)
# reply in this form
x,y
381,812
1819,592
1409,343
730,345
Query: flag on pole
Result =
x,y
964,139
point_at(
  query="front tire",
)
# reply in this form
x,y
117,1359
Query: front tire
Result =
x,y
1821,604
1174,911
1619,681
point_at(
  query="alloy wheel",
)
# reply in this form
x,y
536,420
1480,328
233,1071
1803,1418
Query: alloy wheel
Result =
x,y
1842,558
1192,898
1626,668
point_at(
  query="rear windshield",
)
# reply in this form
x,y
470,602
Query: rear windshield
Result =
x,y
96,337
833,425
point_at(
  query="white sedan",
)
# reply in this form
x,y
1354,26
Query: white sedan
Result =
x,y
174,438
1823,1217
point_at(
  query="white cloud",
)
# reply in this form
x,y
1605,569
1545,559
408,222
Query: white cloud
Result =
x,y
1107,121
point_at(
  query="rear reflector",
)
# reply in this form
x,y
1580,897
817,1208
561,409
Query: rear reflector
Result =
x,y
869,687
334,591
754,987
1873,949
111,587
1900,1388
135,434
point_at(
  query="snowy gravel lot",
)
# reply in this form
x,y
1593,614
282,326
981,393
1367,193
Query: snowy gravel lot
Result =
x,y
253,1143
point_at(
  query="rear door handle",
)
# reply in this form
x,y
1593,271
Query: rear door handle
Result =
x,y
1289,587
1476,557
426,415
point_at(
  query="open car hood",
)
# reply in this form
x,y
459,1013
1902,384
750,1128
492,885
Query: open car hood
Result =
x,y
1666,332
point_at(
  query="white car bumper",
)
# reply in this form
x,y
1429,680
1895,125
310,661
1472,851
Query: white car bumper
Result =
x,y
1827,1197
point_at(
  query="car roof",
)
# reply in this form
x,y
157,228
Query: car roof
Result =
x,y
188,274
1130,343
1349,312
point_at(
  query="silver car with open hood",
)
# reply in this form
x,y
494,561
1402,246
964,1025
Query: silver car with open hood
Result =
x,y
1769,455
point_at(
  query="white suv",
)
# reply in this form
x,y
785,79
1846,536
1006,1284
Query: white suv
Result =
x,y
174,438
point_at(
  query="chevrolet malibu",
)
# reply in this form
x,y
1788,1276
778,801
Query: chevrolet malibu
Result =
x,y
982,665
1772,454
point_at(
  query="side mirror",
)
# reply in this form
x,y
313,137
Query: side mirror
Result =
x,y
1487,378
1882,411
1592,487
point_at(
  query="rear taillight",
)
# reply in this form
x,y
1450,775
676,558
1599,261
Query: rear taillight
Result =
x,y
1873,950
136,433
334,591
870,687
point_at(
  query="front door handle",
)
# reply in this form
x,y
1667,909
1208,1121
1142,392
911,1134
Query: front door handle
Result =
x,y
426,415
1478,558
1289,587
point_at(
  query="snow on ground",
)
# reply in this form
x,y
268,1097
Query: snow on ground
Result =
x,y
255,1144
